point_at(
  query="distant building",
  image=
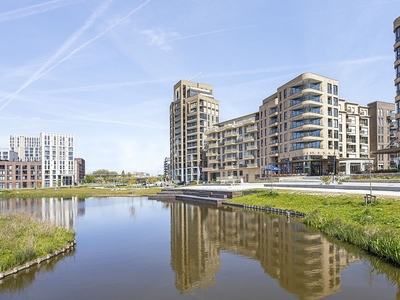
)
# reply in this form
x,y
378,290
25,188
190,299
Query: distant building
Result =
x,y
79,170
27,147
396,29
167,163
54,150
15,174
8,155
382,132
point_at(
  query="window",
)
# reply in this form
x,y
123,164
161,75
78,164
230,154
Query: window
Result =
x,y
284,94
329,89
335,90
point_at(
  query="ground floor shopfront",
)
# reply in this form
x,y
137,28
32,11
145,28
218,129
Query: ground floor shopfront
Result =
x,y
319,167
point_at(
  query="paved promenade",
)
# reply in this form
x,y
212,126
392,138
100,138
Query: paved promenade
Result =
x,y
314,184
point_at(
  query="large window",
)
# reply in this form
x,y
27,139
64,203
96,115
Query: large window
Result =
x,y
397,34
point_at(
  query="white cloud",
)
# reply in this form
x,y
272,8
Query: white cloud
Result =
x,y
159,37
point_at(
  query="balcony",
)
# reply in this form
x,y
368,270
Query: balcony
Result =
x,y
231,134
213,161
212,145
307,124
210,138
273,111
362,133
210,169
249,157
273,142
208,154
307,113
231,167
351,149
307,101
231,151
351,141
312,86
252,147
248,139
232,158
252,129
248,121
253,165
230,142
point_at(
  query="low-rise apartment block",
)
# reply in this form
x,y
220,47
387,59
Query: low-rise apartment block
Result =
x,y
15,174
233,150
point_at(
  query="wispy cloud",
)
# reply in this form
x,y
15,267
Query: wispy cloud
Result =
x,y
41,73
45,67
90,88
35,9
159,37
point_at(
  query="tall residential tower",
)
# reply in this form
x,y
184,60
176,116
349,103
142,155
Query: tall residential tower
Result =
x,y
192,111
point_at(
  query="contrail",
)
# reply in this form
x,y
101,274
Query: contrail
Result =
x,y
40,72
224,74
35,9
37,76
278,21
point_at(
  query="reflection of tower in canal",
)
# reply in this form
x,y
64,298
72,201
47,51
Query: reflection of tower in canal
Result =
x,y
303,262
194,245
61,212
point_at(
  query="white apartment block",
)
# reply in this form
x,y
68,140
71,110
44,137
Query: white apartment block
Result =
x,y
233,150
8,155
27,147
192,112
54,150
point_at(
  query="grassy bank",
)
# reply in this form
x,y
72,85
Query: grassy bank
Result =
x,y
81,192
24,238
374,228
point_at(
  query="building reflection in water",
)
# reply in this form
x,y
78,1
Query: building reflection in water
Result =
x,y
61,212
303,262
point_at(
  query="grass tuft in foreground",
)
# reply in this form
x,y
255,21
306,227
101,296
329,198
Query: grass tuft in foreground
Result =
x,y
24,238
374,228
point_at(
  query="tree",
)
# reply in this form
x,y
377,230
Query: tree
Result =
x,y
89,178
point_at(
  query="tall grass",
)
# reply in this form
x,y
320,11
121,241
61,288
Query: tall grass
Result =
x,y
374,228
24,238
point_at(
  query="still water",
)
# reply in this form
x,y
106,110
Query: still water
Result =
x,y
135,248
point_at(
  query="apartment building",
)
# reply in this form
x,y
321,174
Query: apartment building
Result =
x,y
54,150
79,170
382,132
192,112
27,147
396,29
16,174
233,153
299,126
354,140
9,155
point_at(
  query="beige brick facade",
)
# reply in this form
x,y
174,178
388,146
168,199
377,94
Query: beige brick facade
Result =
x,y
233,150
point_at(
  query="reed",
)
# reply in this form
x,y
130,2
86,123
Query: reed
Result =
x,y
24,238
374,228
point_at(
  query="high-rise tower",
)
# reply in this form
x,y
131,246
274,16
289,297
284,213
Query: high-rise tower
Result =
x,y
396,29
192,111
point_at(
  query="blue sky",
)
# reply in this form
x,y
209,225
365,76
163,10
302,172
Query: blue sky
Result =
x,y
104,70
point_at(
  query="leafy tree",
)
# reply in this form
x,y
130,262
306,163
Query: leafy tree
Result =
x,y
89,178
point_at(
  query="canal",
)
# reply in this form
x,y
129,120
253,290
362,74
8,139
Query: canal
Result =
x,y
135,248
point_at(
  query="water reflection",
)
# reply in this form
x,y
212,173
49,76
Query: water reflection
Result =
x,y
133,248
61,212
303,262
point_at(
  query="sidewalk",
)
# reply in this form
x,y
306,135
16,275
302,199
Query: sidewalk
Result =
x,y
314,184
